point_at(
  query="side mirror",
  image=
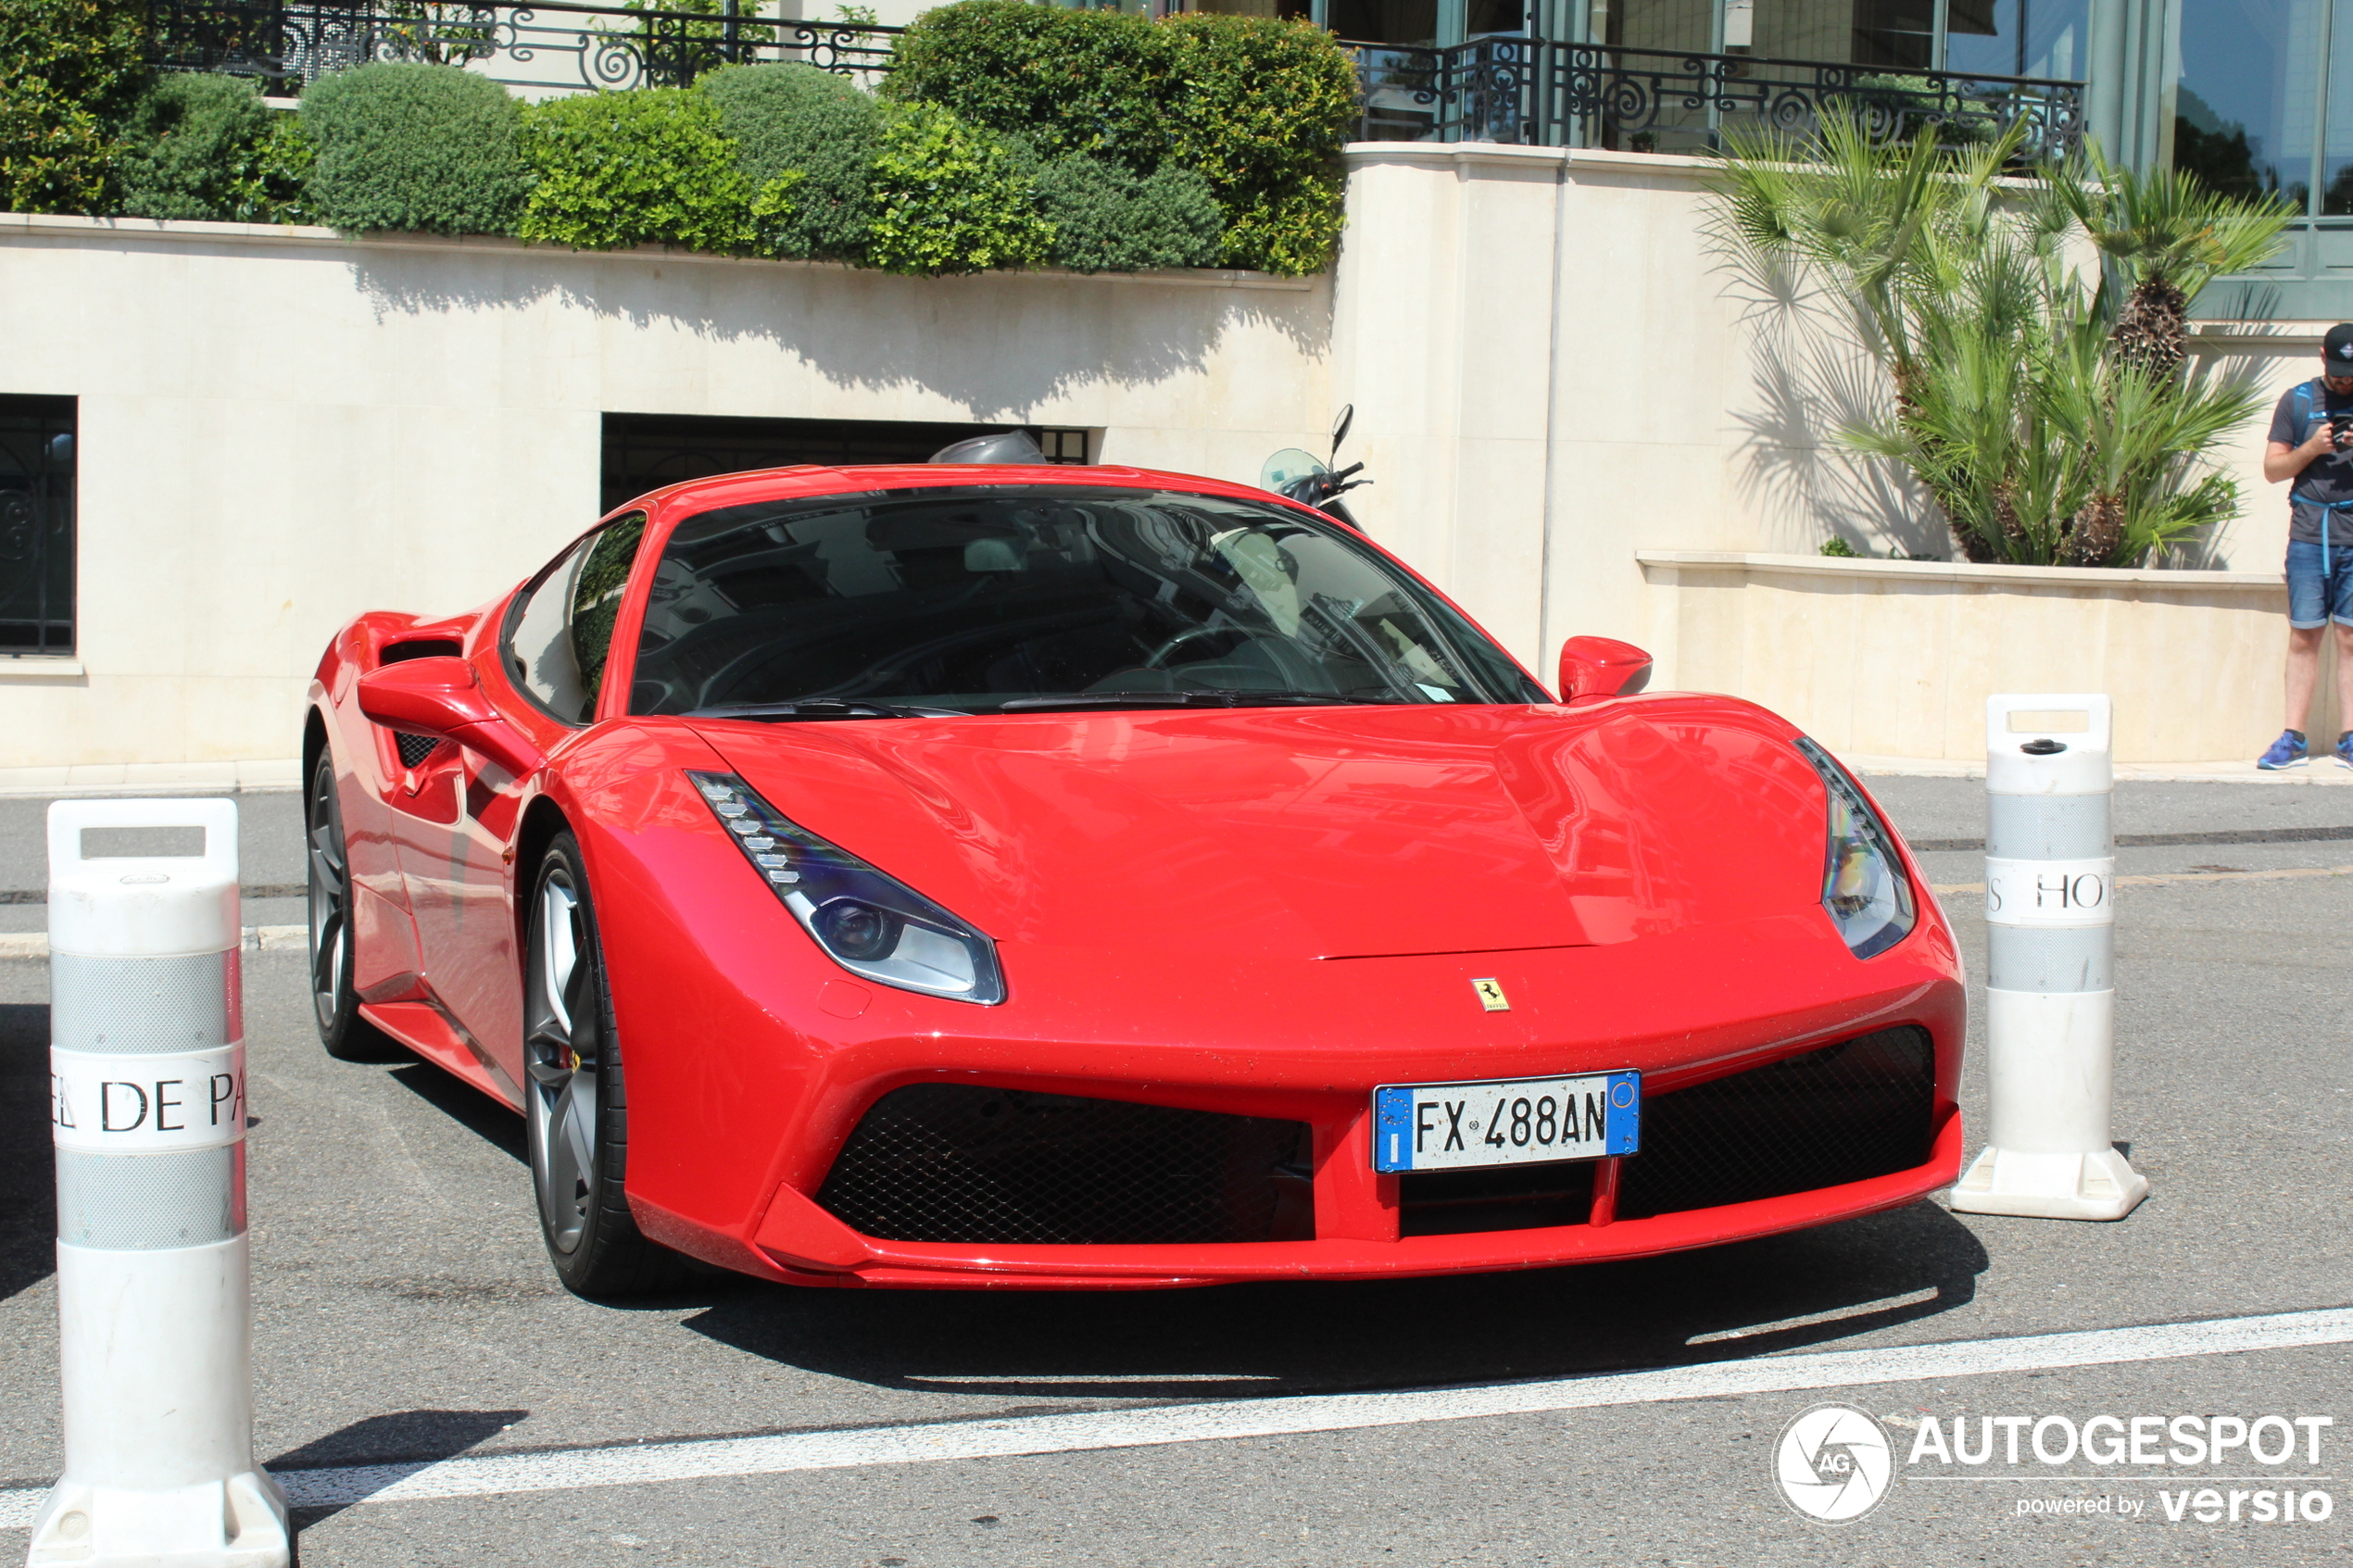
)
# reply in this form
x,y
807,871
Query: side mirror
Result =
x,y
1596,668
1340,427
440,696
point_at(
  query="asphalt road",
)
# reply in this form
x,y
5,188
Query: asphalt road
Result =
x,y
404,1313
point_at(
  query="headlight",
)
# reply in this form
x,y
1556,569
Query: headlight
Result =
x,y
872,925
1864,888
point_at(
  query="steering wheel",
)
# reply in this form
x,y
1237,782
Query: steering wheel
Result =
x,y
1153,659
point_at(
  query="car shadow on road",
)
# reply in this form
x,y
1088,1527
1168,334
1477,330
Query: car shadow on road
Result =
x,y
390,1446
28,1169
494,1123
1780,1292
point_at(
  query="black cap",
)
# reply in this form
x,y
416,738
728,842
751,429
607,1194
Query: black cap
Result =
x,y
2336,350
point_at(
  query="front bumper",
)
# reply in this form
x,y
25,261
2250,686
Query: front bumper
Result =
x,y
805,1245
731,1147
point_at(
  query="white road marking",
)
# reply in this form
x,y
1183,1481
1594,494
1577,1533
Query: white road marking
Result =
x,y
1860,1310
565,1470
1044,1379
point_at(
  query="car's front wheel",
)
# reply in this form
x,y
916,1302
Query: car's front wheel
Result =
x,y
334,1005
575,1106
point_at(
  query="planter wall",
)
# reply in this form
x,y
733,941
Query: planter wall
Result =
x,y
1895,659
281,427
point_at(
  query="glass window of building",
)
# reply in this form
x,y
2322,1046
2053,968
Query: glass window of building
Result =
x,y
2045,39
36,525
2255,74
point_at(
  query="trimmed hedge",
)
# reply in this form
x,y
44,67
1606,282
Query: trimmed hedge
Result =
x,y
1009,133
1265,108
797,119
1064,80
1106,220
949,197
627,169
1258,107
69,70
204,147
415,147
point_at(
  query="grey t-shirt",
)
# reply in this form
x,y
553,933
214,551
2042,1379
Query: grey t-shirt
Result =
x,y
2326,478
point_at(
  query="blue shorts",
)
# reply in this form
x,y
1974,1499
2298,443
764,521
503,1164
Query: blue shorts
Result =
x,y
2312,599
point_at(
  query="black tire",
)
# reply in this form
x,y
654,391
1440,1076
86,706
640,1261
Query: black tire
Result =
x,y
575,1102
335,1008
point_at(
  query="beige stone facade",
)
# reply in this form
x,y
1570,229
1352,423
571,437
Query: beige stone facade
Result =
x,y
1558,387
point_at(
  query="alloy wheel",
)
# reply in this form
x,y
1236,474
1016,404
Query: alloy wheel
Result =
x,y
562,1041
329,897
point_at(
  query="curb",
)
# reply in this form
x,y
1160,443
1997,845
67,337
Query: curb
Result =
x,y
258,938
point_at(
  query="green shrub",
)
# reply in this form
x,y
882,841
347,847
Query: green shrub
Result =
x,y
1065,81
643,167
1265,107
69,70
949,197
798,120
415,147
204,146
1258,107
1106,220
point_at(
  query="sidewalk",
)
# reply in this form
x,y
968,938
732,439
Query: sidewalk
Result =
x,y
2321,770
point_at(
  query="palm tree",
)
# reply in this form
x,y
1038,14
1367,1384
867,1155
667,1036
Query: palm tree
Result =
x,y
2047,413
2168,235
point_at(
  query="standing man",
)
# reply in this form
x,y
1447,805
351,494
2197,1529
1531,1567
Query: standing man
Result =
x,y
2305,448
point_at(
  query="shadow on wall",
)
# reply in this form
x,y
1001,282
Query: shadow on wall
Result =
x,y
997,344
1813,377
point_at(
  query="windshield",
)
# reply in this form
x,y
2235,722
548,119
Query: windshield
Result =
x,y
981,598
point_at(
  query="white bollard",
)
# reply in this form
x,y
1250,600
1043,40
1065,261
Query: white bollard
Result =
x,y
2050,997
147,1103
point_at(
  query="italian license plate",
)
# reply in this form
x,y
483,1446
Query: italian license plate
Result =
x,y
1510,1122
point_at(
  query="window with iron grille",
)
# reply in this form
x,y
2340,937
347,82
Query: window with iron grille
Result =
x,y
36,525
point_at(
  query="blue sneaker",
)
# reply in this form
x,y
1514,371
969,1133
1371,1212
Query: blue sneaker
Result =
x,y
2289,751
2344,749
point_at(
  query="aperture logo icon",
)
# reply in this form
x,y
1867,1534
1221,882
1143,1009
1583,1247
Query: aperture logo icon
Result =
x,y
1833,1463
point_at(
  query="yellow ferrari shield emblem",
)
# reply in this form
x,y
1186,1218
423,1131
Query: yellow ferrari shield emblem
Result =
x,y
1491,996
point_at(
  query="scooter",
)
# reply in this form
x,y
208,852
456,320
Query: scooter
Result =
x,y
1307,479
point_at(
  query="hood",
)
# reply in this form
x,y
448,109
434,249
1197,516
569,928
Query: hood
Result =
x,y
1316,832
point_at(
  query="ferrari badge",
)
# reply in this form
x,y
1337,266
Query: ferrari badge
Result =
x,y
1491,996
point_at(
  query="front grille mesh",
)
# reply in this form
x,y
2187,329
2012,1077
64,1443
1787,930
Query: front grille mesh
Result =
x,y
414,748
951,1162
1507,1198
1844,1113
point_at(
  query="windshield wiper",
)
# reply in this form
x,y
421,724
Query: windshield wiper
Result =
x,y
1208,699
823,707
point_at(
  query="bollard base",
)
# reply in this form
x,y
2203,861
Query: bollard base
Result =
x,y
240,1522
2101,1185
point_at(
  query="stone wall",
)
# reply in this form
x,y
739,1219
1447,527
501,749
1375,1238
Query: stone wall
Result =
x,y
283,427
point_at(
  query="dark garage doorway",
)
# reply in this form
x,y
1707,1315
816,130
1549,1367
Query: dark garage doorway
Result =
x,y
647,451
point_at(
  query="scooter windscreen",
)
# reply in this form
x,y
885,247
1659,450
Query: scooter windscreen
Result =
x,y
1287,467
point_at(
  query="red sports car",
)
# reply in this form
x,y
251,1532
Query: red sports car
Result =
x,y
1030,876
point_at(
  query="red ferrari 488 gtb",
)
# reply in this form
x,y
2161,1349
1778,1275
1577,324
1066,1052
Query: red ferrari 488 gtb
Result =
x,y
1031,876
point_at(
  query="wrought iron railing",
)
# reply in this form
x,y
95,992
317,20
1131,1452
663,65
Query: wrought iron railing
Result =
x,y
538,49
1540,92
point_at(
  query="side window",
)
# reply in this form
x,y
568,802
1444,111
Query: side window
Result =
x,y
563,636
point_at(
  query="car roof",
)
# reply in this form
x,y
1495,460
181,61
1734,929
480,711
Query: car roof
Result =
x,y
812,480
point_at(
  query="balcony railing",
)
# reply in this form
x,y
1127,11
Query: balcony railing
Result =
x,y
1539,92
1495,89
540,49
